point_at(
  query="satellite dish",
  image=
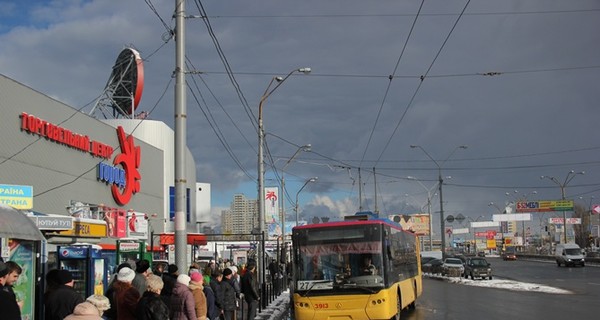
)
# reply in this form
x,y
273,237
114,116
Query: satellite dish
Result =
x,y
124,88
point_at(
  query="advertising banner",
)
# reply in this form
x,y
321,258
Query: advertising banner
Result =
x,y
272,211
137,225
561,220
22,253
417,223
18,197
544,205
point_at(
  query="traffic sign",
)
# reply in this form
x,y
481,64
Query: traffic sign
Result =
x,y
596,209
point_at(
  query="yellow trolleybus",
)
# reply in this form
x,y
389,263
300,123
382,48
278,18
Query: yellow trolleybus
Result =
x,y
360,268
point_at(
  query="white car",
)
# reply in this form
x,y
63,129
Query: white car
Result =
x,y
453,267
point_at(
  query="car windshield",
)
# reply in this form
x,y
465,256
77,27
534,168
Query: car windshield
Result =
x,y
573,251
453,261
479,262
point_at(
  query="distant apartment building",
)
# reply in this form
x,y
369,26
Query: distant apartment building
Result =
x,y
242,216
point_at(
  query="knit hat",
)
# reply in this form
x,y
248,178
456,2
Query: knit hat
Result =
x,y
63,276
3,269
126,275
184,279
99,301
233,268
173,268
142,266
227,272
196,276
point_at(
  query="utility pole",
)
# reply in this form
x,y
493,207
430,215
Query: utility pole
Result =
x,y
180,137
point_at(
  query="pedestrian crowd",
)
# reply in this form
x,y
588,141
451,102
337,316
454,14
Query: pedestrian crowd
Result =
x,y
139,293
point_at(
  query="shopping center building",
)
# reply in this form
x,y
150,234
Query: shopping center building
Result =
x,y
85,180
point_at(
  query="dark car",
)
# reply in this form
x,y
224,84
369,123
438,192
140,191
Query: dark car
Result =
x,y
432,266
481,254
477,267
509,253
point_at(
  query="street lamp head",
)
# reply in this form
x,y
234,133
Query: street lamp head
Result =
x,y
414,146
313,179
278,79
463,147
305,70
306,147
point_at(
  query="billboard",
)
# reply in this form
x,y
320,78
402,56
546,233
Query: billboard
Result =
x,y
417,223
544,205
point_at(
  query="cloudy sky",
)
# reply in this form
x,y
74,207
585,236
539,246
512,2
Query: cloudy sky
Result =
x,y
515,81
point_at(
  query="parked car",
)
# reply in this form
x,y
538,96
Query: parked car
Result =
x,y
478,268
481,254
433,266
453,267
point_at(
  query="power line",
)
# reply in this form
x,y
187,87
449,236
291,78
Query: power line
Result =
x,y
395,15
389,84
421,82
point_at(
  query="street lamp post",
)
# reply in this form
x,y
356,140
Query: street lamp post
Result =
x,y
428,209
261,167
521,198
562,186
305,148
298,193
473,230
502,223
440,182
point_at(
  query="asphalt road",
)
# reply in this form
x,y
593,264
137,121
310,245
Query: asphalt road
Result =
x,y
443,299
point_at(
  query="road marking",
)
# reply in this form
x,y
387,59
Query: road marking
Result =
x,y
594,284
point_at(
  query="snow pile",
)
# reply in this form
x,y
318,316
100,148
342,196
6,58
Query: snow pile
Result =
x,y
502,284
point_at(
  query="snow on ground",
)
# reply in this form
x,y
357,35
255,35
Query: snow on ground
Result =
x,y
502,284
277,309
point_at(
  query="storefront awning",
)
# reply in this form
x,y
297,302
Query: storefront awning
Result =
x,y
15,224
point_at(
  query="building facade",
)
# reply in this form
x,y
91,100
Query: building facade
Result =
x,y
242,216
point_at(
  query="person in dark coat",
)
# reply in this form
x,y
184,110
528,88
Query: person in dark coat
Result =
x,y
215,284
182,305
8,303
229,295
211,304
250,289
142,270
124,297
151,306
169,278
62,300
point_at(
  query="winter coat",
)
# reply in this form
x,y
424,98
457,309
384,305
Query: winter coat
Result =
x,y
8,304
229,294
123,300
61,302
215,285
199,300
85,311
211,308
151,307
169,281
181,305
250,286
139,282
